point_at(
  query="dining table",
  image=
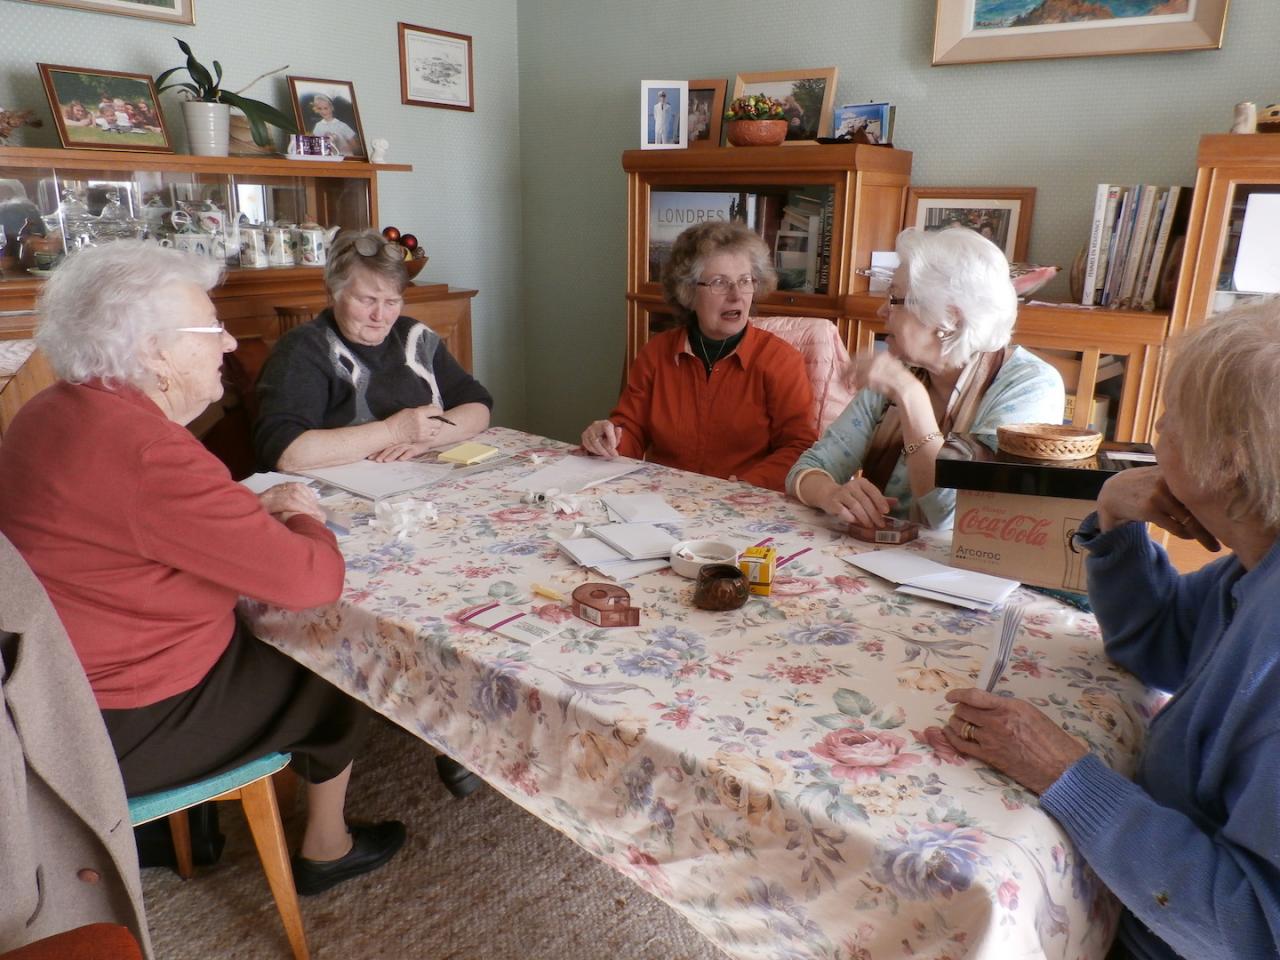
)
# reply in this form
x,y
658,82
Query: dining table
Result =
x,y
769,771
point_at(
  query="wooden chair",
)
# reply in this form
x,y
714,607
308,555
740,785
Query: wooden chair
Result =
x,y
32,377
251,785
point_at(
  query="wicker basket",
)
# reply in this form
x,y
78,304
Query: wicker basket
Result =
x,y
1048,441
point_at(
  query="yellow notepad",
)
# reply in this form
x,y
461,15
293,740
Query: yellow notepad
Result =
x,y
465,454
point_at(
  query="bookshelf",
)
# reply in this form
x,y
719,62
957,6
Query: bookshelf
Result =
x,y
822,210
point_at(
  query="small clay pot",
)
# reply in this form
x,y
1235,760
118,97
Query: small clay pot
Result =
x,y
756,133
720,586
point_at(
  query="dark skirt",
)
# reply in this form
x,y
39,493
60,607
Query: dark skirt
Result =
x,y
254,701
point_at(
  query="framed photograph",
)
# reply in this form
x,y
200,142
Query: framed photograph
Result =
x,y
105,109
807,97
664,114
981,31
171,11
875,120
436,68
1001,214
327,108
706,112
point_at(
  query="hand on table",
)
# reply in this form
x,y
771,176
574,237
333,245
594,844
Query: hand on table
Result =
x,y
400,451
414,425
1141,494
1012,736
858,501
285,499
602,438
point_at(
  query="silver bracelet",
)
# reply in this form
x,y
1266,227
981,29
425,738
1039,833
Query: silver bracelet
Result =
x,y
911,448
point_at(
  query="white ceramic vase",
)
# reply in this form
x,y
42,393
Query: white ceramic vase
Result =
x,y
208,126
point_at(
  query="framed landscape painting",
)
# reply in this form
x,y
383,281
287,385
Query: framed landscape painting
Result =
x,y
980,31
436,69
1001,214
807,97
105,109
172,11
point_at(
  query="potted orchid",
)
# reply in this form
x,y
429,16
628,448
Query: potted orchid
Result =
x,y
755,120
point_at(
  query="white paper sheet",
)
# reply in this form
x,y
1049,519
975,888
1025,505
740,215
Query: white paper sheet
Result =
x,y
1257,267
374,481
642,508
513,623
923,577
589,551
572,473
636,541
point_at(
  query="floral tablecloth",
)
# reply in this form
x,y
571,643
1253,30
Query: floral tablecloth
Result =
x,y
764,771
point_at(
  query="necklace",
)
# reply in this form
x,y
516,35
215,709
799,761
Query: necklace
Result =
x,y
702,345
696,336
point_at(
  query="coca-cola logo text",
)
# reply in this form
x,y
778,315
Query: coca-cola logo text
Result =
x,y
1018,528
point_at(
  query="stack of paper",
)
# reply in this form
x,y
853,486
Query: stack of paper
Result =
x,y
465,454
374,481
641,508
636,541
923,577
998,655
598,555
573,473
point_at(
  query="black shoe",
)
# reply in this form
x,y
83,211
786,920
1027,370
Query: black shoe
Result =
x,y
457,779
372,845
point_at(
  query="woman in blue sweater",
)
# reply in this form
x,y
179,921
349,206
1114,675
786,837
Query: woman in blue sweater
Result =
x,y
1190,846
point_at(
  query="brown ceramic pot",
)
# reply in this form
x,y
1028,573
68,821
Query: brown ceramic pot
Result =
x,y
756,133
720,586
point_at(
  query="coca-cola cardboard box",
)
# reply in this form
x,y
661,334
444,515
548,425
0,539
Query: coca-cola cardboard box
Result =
x,y
1026,538
1015,517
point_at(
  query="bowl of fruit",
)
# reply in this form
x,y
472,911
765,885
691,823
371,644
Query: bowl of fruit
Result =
x,y
415,258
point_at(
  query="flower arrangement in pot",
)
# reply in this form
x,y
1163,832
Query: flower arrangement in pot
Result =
x,y
755,120
207,110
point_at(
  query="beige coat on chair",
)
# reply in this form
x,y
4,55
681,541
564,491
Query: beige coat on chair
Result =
x,y
67,855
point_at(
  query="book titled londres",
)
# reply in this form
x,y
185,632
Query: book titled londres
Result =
x,y
1133,236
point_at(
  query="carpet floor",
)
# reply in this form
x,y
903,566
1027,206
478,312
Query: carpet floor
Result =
x,y
478,879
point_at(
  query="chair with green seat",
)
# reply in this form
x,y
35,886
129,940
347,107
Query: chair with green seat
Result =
x,y
251,785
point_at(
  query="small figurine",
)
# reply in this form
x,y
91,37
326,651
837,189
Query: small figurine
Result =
x,y
11,120
378,152
1246,118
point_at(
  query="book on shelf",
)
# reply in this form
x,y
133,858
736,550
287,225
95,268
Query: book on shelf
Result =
x,y
1131,235
1097,416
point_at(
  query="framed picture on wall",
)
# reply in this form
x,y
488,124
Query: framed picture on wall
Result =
x,y
436,68
806,95
664,114
706,112
327,108
105,109
172,11
980,31
1001,214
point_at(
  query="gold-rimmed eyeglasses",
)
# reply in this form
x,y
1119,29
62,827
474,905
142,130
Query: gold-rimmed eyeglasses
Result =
x,y
720,286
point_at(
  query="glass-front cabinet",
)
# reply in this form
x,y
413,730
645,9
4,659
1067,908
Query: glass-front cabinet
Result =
x,y
821,210
1233,236
247,213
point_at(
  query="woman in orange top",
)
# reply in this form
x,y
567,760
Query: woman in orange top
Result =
x,y
715,395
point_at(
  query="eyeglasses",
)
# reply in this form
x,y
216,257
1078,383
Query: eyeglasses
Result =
x,y
377,247
218,328
896,301
720,286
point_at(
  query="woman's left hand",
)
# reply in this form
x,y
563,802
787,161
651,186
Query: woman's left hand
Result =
x,y
285,499
1012,736
882,372
401,451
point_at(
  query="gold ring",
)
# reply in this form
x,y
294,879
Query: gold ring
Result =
x,y
1183,521
966,731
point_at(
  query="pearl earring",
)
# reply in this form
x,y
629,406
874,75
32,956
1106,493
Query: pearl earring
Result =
x,y
162,382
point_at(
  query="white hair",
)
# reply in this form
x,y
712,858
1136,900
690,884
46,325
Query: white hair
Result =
x,y
102,303
1221,387
958,283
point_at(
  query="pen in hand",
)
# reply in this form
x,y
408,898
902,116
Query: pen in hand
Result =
x,y
436,416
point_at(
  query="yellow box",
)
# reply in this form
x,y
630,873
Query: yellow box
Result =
x,y
757,564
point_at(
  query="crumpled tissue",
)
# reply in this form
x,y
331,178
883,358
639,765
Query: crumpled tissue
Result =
x,y
403,518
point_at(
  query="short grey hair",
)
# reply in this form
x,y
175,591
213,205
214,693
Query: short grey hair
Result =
x,y
958,283
345,259
699,243
103,303
1221,387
